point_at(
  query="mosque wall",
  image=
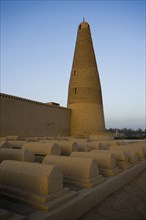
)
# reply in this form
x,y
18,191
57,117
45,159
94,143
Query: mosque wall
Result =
x,y
23,117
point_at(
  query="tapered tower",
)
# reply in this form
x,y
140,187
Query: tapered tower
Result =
x,y
84,93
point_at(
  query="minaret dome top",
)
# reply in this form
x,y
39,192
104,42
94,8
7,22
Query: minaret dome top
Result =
x,y
84,25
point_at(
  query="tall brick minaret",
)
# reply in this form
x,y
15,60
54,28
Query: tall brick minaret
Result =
x,y
84,93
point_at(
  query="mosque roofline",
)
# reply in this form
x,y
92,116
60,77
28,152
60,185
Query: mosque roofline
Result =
x,y
48,104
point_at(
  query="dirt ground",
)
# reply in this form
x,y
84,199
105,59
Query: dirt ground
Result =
x,y
128,203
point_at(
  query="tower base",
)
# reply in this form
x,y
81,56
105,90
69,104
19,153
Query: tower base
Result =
x,y
105,135
102,136
86,119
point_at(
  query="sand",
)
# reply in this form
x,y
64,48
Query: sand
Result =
x,y
128,203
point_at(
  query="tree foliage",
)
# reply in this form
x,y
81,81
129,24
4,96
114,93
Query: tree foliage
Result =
x,y
128,133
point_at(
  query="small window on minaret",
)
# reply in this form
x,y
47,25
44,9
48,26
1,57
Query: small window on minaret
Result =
x,y
74,72
75,90
80,26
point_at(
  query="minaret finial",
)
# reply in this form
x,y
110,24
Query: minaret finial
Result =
x,y
83,19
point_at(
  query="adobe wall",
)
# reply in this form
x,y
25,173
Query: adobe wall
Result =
x,y
23,117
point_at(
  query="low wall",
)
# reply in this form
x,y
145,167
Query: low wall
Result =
x,y
23,117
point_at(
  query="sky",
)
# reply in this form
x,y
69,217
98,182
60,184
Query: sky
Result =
x,y
37,46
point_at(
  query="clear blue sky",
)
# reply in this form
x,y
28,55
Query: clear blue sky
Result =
x,y
37,47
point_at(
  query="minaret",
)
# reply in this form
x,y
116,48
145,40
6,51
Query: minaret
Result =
x,y
84,93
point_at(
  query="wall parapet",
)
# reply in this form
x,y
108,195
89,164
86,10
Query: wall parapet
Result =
x,y
49,104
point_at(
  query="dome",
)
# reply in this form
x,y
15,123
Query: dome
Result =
x,y
84,25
